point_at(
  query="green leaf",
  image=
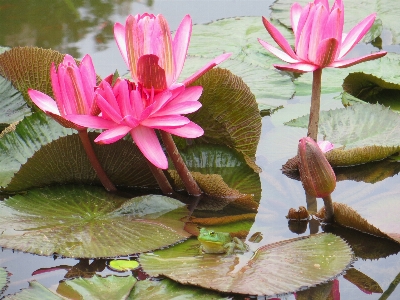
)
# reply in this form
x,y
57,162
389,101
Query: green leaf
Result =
x,y
33,292
88,222
110,287
29,67
357,141
3,279
12,104
168,289
229,115
249,60
273,269
41,152
122,265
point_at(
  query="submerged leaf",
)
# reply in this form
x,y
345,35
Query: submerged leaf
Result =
x,y
357,141
88,222
110,287
273,269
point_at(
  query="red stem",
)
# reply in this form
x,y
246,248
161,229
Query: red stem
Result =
x,y
190,184
87,145
160,178
315,105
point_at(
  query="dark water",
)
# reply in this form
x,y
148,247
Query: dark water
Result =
x,y
81,27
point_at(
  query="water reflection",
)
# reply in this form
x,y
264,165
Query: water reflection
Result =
x,y
57,24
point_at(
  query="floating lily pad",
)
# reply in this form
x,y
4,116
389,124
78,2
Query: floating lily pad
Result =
x,y
239,128
41,152
3,279
278,268
87,222
357,141
122,265
110,287
168,289
368,219
33,292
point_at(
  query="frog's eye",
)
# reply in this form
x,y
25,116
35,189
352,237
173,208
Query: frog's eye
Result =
x,y
212,233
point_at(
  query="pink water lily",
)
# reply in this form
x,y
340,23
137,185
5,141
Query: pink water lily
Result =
x,y
154,58
73,89
127,108
319,38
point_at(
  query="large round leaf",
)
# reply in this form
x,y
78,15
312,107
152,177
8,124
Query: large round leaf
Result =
x,y
357,140
3,279
33,292
229,115
110,287
88,222
273,269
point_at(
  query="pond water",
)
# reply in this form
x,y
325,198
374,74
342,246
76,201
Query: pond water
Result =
x,y
81,27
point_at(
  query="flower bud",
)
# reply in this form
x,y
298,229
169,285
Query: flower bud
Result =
x,y
316,173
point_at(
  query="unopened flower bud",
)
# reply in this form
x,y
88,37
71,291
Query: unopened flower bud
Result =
x,y
316,173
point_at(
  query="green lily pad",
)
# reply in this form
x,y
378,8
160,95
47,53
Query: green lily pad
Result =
x,y
87,222
12,104
273,269
110,287
383,86
29,67
387,15
239,128
122,265
168,289
33,292
3,279
41,152
231,165
357,141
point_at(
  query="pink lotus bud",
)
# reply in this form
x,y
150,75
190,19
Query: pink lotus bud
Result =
x,y
316,173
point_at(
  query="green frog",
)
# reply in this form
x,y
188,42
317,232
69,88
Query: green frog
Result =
x,y
219,242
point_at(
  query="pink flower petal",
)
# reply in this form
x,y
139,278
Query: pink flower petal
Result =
x,y
165,121
191,131
325,146
356,34
279,38
317,29
191,93
295,13
297,67
180,44
178,109
280,54
350,62
327,52
44,102
210,65
112,135
107,109
148,143
302,21
91,121
119,35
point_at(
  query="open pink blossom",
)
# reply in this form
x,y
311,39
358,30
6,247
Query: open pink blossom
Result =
x,y
127,108
154,58
73,89
319,38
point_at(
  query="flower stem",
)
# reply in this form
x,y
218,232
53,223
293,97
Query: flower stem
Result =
x,y
87,145
190,184
329,212
161,179
315,105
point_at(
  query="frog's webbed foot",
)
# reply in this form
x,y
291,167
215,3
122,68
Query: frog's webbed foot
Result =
x,y
239,245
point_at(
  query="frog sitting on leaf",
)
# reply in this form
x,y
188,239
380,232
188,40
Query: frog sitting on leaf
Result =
x,y
219,242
